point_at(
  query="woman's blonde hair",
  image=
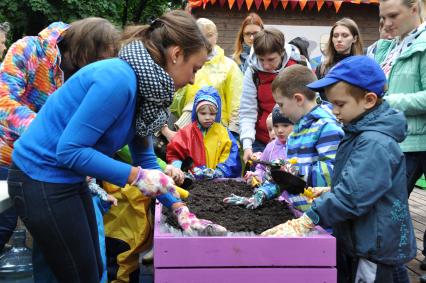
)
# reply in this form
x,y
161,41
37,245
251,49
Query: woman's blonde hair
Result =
x,y
175,28
251,19
330,51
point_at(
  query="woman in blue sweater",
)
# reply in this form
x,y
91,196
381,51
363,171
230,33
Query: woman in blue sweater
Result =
x,y
103,107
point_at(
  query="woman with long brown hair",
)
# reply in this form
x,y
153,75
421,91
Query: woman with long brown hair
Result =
x,y
251,25
344,41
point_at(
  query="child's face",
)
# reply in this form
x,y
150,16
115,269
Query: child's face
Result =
x,y
282,130
345,107
270,128
288,106
270,62
206,116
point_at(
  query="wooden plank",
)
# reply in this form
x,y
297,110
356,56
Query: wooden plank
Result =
x,y
246,275
311,251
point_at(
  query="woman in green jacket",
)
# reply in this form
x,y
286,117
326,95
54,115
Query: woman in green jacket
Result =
x,y
403,60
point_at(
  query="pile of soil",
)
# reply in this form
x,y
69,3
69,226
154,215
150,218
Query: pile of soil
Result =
x,y
206,201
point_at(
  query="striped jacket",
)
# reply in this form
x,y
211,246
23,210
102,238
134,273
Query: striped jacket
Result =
x,y
29,73
314,143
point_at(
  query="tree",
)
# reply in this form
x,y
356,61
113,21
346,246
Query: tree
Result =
x,y
28,17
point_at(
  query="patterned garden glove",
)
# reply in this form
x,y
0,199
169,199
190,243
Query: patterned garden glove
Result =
x,y
300,202
190,223
252,179
236,200
218,173
252,202
203,173
154,183
317,191
256,200
296,227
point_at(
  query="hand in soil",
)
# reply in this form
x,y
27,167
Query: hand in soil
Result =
x,y
252,202
296,227
190,223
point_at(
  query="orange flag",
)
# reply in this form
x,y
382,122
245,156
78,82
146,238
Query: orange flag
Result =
x,y
337,5
284,3
266,3
302,4
320,3
249,3
231,3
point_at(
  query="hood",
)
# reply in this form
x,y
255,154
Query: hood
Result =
x,y
322,111
291,52
216,56
53,33
208,93
383,119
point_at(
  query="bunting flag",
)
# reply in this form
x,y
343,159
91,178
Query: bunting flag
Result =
x,y
302,4
275,3
249,3
337,4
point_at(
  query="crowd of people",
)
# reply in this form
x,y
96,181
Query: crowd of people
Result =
x,y
81,103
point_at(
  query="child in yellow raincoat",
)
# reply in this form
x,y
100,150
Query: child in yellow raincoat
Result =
x,y
211,146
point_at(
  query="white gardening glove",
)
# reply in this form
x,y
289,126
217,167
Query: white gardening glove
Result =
x,y
296,227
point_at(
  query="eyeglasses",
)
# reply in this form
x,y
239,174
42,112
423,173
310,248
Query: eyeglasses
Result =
x,y
250,34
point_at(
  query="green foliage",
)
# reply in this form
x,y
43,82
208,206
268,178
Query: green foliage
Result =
x,y
28,17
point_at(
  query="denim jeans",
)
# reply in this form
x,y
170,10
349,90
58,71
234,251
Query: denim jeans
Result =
x,y
62,221
416,166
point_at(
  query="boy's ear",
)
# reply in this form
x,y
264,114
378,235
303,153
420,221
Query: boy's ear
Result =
x,y
370,99
300,98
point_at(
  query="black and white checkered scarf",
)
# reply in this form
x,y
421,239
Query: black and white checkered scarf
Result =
x,y
155,89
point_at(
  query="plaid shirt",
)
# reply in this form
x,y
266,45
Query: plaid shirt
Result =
x,y
314,143
29,73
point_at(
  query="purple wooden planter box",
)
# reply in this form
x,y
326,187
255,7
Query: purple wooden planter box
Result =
x,y
243,259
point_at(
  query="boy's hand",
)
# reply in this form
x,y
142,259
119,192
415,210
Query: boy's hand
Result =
x,y
252,202
177,175
317,191
112,200
291,228
248,152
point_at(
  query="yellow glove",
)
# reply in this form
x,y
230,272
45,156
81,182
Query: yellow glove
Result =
x,y
296,227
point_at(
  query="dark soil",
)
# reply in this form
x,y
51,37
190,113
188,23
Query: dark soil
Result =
x,y
206,201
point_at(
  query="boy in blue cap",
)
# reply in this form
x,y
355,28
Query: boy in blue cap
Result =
x,y
367,205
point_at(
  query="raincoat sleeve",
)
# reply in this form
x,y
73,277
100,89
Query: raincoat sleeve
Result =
x,y
362,184
319,173
414,103
229,162
179,148
179,100
248,110
13,81
233,88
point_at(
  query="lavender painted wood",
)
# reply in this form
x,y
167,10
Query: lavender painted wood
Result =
x,y
246,275
317,250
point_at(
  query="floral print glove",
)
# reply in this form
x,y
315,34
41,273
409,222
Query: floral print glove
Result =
x,y
154,183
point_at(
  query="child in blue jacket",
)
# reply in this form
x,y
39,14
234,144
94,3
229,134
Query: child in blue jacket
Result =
x,y
367,206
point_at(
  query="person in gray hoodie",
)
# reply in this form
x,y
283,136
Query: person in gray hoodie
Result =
x,y
271,55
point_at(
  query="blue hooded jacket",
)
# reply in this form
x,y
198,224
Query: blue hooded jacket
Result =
x,y
368,204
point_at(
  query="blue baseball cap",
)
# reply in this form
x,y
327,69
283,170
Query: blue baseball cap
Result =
x,y
360,71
